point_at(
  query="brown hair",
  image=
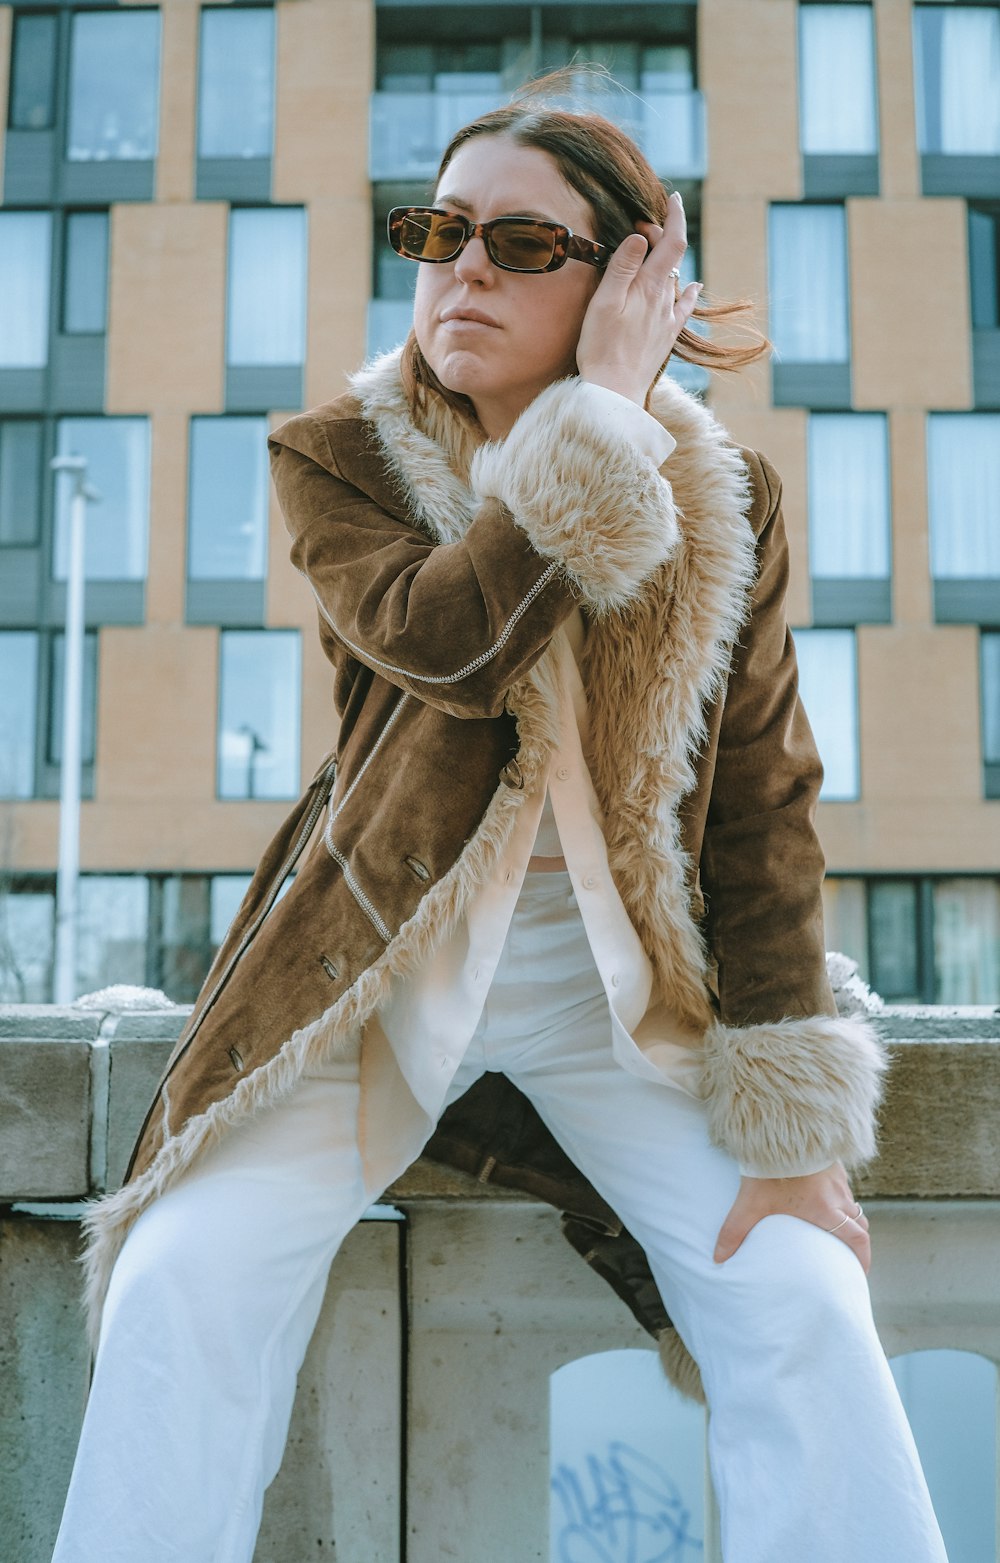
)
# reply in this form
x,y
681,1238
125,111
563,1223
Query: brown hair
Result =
x,y
606,167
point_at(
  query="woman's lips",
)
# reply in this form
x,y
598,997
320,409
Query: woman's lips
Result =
x,y
471,317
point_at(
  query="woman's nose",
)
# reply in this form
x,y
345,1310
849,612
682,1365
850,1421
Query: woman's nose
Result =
x,y
474,265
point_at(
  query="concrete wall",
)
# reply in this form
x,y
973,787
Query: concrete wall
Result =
x,y
396,1448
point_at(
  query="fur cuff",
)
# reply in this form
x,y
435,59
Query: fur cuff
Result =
x,y
794,1093
586,497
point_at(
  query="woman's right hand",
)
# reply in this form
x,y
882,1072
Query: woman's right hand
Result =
x,y
633,319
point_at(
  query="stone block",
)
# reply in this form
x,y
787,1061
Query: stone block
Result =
x,y
45,1104
940,1121
44,1370
136,1064
337,1494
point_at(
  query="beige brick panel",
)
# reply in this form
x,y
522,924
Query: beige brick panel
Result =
x,y
734,262
167,519
325,76
6,30
157,700
146,836
178,111
909,677
167,312
899,164
903,837
338,285
909,271
748,67
912,596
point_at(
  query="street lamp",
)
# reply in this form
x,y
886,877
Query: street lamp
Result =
x,y
72,721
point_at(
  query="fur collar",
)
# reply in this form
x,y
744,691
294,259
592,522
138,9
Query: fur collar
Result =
x,y
650,671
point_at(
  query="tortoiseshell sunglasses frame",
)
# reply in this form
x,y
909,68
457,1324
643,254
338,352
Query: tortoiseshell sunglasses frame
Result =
x,y
567,245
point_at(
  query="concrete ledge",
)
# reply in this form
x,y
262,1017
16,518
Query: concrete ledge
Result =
x,y
940,1119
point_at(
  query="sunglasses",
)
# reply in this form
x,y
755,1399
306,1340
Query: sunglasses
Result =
x,y
425,233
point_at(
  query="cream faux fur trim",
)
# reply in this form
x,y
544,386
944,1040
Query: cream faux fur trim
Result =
x,y
679,1366
794,1092
562,473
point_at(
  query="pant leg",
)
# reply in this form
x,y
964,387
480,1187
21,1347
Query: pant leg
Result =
x,y
811,1453
210,1308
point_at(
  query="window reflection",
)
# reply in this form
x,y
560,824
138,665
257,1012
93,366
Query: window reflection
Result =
x,y
838,111
807,258
114,85
27,946
112,931
18,702
236,83
20,480
227,512
848,495
117,452
957,57
33,72
259,703
829,684
85,301
266,314
25,260
963,474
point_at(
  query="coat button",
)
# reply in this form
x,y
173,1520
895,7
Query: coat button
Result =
x,y
511,775
416,867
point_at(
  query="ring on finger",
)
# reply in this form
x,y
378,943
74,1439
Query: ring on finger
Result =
x,y
857,1213
675,273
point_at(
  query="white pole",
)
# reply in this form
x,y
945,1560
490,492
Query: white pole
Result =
x,y
72,720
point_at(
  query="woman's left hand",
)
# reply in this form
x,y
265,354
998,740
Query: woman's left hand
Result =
x,y
824,1198
636,314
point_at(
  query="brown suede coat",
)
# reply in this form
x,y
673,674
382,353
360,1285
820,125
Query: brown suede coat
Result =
x,y
440,573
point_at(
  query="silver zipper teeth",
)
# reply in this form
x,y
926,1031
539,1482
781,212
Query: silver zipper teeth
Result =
x,y
315,809
383,735
470,667
356,890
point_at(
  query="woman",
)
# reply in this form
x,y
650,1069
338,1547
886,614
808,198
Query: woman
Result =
x,y
563,919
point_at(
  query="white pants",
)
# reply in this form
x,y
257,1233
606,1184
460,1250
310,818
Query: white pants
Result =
x,y
218,1287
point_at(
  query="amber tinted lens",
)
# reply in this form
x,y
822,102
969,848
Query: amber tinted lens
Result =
x,y
432,236
522,246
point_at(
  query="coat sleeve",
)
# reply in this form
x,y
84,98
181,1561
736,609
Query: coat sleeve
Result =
x,y
792,1087
565,511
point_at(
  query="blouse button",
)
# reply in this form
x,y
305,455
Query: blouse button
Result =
x,y
562,773
589,881
616,981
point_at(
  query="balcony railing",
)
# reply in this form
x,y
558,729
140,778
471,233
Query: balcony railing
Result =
x,y
409,130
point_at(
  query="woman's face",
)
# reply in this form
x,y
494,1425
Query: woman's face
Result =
x,y
528,325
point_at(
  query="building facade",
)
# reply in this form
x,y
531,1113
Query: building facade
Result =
x,y
191,249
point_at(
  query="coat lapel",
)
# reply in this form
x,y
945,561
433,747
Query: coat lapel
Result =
x,y
651,672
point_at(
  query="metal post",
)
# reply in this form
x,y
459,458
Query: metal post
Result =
x,y
72,721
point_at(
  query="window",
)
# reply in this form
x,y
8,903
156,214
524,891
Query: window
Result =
x,y
25,260
117,452
838,110
33,72
259,703
808,283
236,83
20,481
963,462
113,86
957,59
984,267
57,653
112,930
918,939
266,317
85,284
989,653
27,946
227,508
18,708
849,534
829,686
